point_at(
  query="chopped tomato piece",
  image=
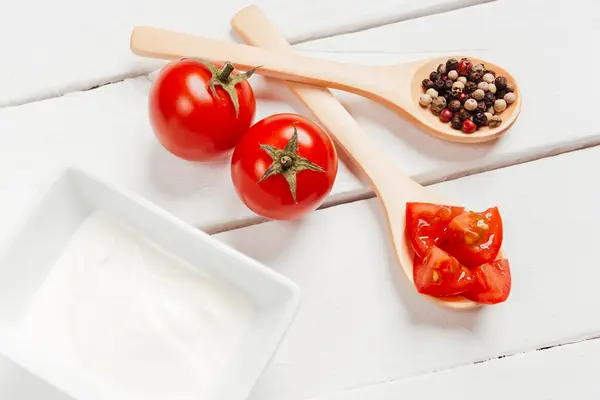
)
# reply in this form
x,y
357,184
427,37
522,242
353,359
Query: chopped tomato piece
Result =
x,y
440,274
426,223
492,283
474,238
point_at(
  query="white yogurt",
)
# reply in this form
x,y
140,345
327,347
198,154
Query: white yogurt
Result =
x,y
143,322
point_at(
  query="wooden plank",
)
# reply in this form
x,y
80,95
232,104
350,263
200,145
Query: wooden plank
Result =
x,y
555,374
61,46
361,322
106,131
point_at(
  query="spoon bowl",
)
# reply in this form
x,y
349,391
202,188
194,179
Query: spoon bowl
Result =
x,y
396,86
394,189
430,122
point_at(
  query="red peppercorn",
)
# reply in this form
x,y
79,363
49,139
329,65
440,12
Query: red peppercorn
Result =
x,y
464,66
469,126
446,115
463,97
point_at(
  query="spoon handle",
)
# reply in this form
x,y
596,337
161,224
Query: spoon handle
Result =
x,y
255,28
169,45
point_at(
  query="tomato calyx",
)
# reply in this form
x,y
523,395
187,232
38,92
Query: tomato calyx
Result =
x,y
223,77
287,162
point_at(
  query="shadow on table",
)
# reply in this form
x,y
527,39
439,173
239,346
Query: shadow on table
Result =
x,y
178,177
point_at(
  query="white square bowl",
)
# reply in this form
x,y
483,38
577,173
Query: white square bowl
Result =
x,y
32,251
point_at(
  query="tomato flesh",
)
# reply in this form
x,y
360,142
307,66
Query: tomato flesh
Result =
x,y
492,283
427,222
474,238
440,274
455,252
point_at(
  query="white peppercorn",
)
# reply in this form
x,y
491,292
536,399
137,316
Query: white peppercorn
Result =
x,y
462,79
452,74
432,92
510,97
488,116
500,105
470,104
478,68
425,100
438,104
478,94
510,87
491,110
492,88
457,88
489,78
483,86
495,122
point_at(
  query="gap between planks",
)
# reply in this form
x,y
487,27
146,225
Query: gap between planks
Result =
x,y
425,373
368,23
393,18
422,179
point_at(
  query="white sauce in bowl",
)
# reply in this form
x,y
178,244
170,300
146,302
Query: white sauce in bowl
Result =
x,y
142,322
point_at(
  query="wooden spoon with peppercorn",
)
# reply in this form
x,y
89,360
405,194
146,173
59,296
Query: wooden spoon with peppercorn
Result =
x,y
400,87
394,189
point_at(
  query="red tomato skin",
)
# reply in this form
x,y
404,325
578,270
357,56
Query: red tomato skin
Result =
x,y
481,251
441,275
426,223
272,197
188,120
492,283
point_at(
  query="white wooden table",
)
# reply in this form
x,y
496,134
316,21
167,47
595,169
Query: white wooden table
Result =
x,y
362,331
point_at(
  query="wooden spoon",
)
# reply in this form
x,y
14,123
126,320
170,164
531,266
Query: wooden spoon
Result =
x,y
393,188
397,86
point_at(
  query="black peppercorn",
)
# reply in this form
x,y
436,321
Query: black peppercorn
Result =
x,y
434,76
489,99
448,83
441,69
500,94
500,83
448,96
451,64
427,84
456,122
470,87
489,71
464,114
454,105
475,76
479,118
481,106
439,85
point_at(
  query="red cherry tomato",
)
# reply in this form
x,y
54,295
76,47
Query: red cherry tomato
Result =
x,y
426,223
492,283
190,120
284,166
474,238
440,274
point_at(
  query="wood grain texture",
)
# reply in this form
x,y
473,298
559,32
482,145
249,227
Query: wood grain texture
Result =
x,y
112,121
554,374
362,323
60,46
